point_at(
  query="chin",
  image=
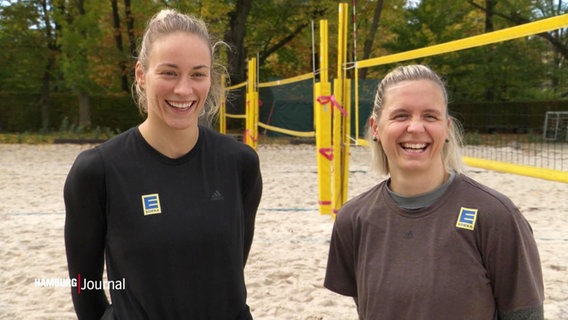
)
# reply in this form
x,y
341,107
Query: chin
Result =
x,y
181,126
416,167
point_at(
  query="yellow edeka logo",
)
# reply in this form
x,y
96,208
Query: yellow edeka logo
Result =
x,y
151,204
466,219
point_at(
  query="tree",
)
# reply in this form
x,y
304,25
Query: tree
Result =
x,y
370,38
122,64
541,9
518,12
283,43
87,47
23,51
130,31
50,36
79,39
235,36
30,51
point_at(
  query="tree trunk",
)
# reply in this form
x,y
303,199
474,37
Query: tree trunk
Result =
x,y
235,35
84,110
119,46
44,99
368,46
489,90
47,72
130,32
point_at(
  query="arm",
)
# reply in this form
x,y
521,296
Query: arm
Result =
x,y
85,228
514,267
340,272
252,192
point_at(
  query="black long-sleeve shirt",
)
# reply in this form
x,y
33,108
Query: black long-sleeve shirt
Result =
x,y
176,233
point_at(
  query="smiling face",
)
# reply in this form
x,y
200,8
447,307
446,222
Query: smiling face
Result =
x,y
412,127
177,80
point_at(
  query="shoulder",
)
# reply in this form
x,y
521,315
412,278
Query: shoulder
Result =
x,y
93,159
218,139
227,147
87,169
483,193
492,205
118,142
356,208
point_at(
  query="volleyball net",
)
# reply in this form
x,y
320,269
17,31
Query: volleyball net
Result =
x,y
334,113
531,146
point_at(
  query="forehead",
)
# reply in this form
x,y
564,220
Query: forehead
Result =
x,y
182,46
415,86
415,92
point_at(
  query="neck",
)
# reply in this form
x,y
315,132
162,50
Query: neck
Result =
x,y
416,183
169,142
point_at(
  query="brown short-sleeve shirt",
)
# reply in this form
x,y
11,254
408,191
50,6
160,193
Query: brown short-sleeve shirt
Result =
x,y
467,256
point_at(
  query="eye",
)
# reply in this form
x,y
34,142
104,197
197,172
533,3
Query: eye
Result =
x,y
200,75
431,117
400,116
168,73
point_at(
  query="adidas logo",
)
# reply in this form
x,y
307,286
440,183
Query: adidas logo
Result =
x,y
217,196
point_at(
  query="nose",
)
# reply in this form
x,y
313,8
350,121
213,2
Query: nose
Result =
x,y
415,125
183,87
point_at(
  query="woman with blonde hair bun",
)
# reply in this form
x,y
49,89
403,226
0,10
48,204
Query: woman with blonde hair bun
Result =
x,y
170,205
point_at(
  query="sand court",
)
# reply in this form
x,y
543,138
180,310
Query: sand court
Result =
x,y
287,262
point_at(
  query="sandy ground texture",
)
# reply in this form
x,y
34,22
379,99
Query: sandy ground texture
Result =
x,y
288,257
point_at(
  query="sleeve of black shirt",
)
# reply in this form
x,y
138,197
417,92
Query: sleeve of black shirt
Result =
x,y
85,228
252,192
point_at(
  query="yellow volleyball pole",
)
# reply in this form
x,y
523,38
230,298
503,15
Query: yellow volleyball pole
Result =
x,y
356,103
336,192
246,138
346,143
527,29
255,119
255,105
322,113
250,135
223,108
339,138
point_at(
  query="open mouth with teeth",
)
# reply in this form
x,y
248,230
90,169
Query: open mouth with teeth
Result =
x,y
414,147
181,106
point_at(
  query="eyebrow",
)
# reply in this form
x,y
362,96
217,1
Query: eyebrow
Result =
x,y
172,65
201,66
423,111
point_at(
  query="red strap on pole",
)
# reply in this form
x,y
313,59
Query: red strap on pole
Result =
x,y
328,99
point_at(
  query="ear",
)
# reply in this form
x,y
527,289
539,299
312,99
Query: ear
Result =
x,y
139,75
449,127
373,124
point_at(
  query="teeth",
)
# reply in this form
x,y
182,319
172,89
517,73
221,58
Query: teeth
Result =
x,y
180,105
414,145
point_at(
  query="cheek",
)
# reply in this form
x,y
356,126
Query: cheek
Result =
x,y
204,87
390,130
160,87
438,132
156,91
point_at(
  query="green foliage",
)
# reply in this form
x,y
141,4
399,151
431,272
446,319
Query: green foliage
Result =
x,y
516,70
20,56
85,57
80,37
28,137
116,112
